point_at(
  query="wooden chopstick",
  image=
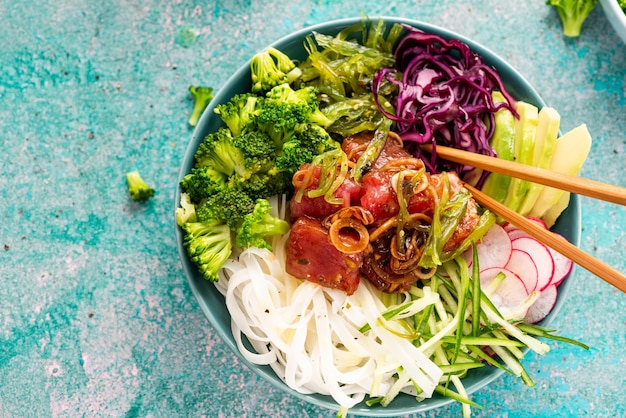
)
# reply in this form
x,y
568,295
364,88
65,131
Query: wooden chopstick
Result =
x,y
556,242
574,184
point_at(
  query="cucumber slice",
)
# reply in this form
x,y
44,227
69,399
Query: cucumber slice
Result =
x,y
525,130
503,143
548,124
570,152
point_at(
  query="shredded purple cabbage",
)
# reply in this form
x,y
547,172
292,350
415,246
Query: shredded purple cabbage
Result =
x,y
444,97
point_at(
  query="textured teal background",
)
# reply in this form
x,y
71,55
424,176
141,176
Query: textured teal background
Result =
x,y
96,318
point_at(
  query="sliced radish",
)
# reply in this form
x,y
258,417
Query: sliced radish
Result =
x,y
543,305
562,267
522,263
508,294
516,233
540,255
508,226
494,250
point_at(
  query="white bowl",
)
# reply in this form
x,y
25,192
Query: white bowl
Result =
x,y
616,17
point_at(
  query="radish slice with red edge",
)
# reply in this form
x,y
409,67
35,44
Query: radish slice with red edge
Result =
x,y
509,226
494,249
522,263
542,305
562,267
508,294
541,256
516,233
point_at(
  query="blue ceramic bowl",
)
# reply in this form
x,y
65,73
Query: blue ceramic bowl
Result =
x,y
615,16
212,302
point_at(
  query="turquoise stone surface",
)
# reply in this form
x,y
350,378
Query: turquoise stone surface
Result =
x,y
96,317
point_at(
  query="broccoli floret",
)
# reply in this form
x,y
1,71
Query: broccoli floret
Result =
x,y
263,184
573,14
279,121
202,182
294,154
258,225
239,112
209,245
259,152
229,206
271,68
216,151
137,188
285,110
306,97
243,154
303,147
186,212
202,96
622,4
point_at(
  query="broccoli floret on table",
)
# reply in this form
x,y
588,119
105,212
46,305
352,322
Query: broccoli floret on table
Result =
x,y
138,189
573,14
258,225
202,96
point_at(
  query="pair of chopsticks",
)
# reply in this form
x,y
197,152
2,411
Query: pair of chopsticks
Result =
x,y
574,184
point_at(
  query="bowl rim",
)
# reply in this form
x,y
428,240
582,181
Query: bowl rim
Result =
x,y
616,17
224,330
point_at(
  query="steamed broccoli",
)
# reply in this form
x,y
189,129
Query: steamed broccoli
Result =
x,y
243,154
217,152
263,184
258,152
239,112
258,225
209,245
285,111
186,212
305,97
269,133
137,188
202,182
271,68
229,206
202,96
573,14
303,147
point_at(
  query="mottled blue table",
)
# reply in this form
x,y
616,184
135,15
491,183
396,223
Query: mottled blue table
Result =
x,y
96,318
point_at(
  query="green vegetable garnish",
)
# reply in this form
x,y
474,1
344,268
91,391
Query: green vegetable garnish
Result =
x,y
573,14
138,189
202,96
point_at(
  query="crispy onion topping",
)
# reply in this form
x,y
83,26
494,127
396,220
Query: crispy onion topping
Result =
x,y
347,229
349,235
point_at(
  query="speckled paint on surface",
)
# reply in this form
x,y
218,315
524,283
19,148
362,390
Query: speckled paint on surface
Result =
x,y
96,318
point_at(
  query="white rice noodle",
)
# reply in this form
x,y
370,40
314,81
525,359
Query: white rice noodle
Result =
x,y
310,335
